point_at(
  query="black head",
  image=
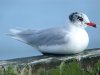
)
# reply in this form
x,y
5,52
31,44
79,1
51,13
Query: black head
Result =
x,y
75,17
80,19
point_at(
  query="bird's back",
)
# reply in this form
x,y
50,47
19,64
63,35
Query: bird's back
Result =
x,y
49,36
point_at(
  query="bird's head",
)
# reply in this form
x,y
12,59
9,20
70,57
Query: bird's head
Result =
x,y
80,19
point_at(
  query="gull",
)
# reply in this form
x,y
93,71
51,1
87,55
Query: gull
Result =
x,y
69,39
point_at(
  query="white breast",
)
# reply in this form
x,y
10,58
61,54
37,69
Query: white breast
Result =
x,y
78,40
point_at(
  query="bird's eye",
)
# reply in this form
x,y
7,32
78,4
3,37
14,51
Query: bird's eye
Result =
x,y
80,18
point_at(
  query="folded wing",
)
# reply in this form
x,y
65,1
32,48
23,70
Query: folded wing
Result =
x,y
40,37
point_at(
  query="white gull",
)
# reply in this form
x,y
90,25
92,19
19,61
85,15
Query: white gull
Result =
x,y
68,39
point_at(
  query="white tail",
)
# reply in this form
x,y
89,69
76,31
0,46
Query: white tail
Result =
x,y
14,33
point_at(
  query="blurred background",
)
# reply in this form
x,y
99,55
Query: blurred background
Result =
x,y
40,14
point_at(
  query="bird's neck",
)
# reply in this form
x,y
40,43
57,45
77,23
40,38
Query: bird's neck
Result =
x,y
73,27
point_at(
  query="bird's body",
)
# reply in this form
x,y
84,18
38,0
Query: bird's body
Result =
x,y
61,40
72,43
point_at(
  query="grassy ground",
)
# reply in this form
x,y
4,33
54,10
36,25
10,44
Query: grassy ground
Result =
x,y
65,68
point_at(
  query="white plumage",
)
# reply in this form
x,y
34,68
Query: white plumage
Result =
x,y
68,39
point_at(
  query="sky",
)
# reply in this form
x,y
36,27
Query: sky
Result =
x,y
42,14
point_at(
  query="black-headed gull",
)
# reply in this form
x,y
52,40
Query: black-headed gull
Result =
x,y
68,39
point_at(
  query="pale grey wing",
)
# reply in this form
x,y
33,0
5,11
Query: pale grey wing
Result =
x,y
48,37
22,35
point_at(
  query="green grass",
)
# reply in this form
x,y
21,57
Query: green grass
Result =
x,y
65,68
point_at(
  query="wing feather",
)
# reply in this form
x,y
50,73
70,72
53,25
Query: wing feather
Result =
x,y
48,37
